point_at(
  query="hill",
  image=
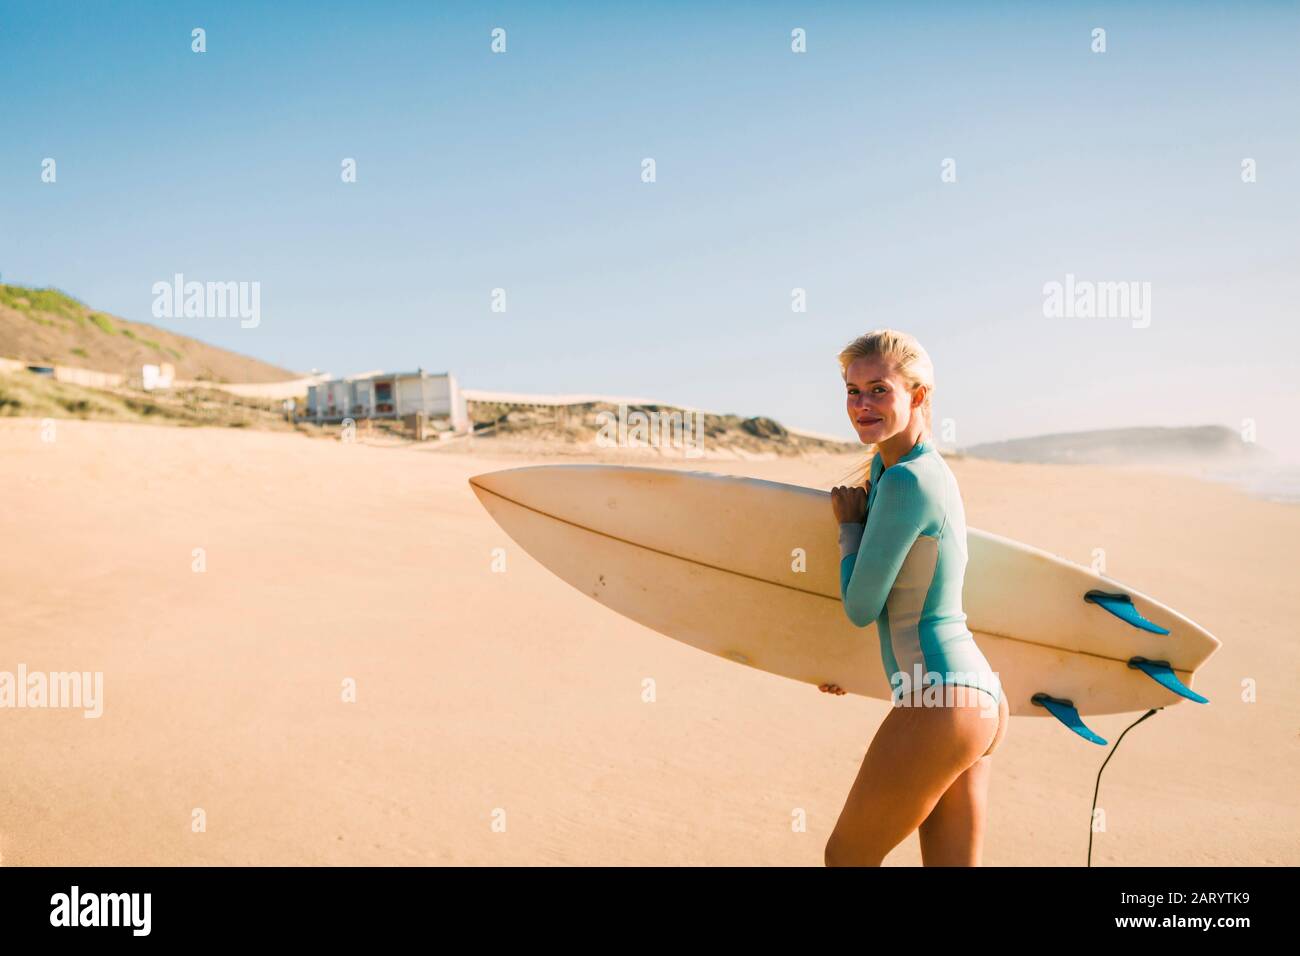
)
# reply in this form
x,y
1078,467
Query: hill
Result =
x,y
1125,446
49,327
584,427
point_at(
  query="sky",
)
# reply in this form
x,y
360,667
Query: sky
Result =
x,y
830,170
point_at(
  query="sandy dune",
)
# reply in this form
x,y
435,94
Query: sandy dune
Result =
x,y
479,692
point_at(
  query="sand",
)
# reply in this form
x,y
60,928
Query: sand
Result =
x,y
484,697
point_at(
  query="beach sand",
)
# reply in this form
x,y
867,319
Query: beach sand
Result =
x,y
480,694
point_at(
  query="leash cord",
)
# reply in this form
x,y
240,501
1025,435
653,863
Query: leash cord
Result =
x,y
1097,789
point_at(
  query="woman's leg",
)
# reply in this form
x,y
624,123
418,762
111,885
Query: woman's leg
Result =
x,y
953,833
914,759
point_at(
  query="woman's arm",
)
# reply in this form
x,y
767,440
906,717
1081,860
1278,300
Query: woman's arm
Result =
x,y
871,558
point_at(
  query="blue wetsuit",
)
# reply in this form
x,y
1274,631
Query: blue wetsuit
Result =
x,y
904,571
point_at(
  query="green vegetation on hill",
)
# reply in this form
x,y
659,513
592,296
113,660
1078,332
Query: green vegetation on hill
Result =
x,y
52,301
48,326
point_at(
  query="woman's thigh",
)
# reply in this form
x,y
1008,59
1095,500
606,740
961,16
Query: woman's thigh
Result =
x,y
953,833
915,757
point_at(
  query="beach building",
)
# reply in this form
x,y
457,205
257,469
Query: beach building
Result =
x,y
398,395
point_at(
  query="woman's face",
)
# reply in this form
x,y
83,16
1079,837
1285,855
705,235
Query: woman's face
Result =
x,y
879,404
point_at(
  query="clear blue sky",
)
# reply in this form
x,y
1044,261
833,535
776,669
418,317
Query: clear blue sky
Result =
x,y
775,170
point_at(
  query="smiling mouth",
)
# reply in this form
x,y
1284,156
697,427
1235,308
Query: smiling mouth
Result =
x,y
869,421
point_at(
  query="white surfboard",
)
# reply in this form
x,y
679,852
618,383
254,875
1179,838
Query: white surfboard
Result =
x,y
749,570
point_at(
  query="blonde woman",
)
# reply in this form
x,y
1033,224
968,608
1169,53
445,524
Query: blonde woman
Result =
x,y
903,559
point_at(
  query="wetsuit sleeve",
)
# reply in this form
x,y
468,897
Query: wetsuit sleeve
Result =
x,y
851,537
895,520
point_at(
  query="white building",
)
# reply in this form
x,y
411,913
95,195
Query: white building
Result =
x,y
390,395
157,376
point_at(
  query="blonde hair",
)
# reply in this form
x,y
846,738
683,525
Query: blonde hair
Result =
x,y
907,359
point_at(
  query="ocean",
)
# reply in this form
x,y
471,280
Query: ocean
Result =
x,y
1274,482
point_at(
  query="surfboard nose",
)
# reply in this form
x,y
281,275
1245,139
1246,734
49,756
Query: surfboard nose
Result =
x,y
495,481
488,488
529,483
512,484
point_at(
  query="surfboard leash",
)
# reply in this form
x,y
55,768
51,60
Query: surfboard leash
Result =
x,y
1097,789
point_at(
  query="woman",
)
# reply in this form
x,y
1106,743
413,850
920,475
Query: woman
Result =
x,y
903,558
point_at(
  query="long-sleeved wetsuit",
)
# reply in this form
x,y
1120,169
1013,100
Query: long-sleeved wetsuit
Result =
x,y
904,571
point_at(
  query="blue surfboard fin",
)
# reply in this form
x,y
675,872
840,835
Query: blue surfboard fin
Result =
x,y
1163,674
1121,605
1065,712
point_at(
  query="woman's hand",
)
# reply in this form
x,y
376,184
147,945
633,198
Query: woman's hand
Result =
x,y
850,502
832,689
